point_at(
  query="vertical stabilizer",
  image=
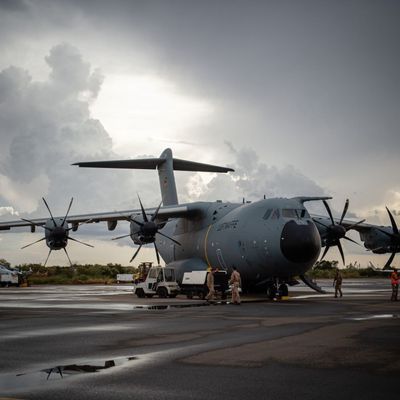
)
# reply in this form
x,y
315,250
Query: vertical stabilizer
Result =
x,y
167,179
165,165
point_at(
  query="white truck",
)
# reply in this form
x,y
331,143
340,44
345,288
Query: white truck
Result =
x,y
160,281
195,284
125,278
8,278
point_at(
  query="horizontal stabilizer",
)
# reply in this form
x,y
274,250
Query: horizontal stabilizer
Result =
x,y
154,163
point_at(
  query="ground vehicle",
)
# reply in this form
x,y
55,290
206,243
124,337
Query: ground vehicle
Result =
x,y
8,277
159,281
195,284
125,278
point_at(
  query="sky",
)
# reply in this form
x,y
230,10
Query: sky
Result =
x,y
299,97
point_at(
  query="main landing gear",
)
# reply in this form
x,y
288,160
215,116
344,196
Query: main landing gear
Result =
x,y
277,290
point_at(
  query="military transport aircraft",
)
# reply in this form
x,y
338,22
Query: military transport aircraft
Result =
x,y
270,241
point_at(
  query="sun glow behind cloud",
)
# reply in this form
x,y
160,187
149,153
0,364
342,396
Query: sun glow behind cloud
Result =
x,y
136,109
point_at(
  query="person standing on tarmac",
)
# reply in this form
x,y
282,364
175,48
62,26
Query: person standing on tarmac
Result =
x,y
394,280
210,285
235,281
337,283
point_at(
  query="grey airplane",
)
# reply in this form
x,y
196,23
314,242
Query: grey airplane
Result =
x,y
270,241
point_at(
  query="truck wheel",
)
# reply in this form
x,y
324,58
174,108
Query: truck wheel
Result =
x,y
162,292
140,293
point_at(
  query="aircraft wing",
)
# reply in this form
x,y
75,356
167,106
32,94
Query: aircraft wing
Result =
x,y
113,216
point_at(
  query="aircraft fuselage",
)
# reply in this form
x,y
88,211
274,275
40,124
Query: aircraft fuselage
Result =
x,y
264,239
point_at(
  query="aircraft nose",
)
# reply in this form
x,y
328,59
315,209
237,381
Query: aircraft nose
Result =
x,y
300,243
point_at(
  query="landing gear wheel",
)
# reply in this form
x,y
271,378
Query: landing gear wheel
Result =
x,y
283,290
271,292
162,292
140,293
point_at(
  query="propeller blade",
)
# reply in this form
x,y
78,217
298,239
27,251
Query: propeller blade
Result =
x,y
351,240
346,207
69,207
143,212
158,256
391,235
320,223
137,222
173,240
66,253
48,255
76,240
329,211
352,226
388,262
34,223
48,208
156,213
394,226
121,237
325,251
341,251
30,244
136,253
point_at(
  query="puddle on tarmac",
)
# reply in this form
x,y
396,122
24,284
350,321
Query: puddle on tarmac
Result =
x,y
57,373
377,316
171,306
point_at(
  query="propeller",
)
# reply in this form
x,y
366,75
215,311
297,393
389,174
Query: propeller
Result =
x,y
394,239
336,231
148,229
56,234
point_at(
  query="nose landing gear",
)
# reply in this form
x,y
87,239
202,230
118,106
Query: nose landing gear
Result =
x,y
277,290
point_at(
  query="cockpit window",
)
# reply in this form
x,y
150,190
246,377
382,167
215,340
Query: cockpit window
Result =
x,y
267,214
275,214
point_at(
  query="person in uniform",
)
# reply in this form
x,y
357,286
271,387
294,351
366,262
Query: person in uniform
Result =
x,y
394,280
210,285
337,283
235,281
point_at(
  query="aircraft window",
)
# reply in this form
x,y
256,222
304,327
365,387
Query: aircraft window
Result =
x,y
289,213
275,214
267,214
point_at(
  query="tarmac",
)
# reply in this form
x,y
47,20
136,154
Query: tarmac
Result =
x,y
101,342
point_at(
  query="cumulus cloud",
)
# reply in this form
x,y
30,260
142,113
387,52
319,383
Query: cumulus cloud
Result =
x,y
46,126
253,179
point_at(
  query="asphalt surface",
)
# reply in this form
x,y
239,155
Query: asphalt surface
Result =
x,y
101,342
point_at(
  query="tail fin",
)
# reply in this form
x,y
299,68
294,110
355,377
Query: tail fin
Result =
x,y
165,165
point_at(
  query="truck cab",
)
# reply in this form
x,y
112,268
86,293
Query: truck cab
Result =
x,y
159,281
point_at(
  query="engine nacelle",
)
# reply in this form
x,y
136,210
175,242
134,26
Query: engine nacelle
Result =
x,y
376,241
56,233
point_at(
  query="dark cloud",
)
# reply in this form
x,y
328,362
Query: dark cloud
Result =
x,y
46,126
